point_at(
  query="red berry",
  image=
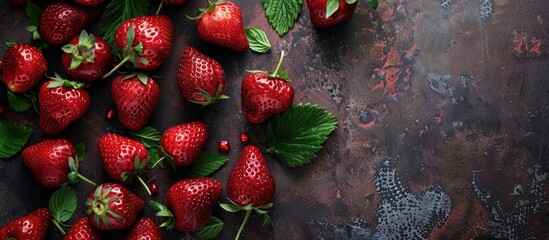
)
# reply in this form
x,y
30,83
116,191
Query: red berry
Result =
x,y
244,138
224,146
111,113
154,188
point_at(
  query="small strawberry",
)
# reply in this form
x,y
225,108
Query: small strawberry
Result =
x,y
336,15
61,102
86,57
90,2
123,158
183,142
201,78
191,202
221,24
31,226
60,22
82,230
144,229
250,185
135,96
264,95
145,41
111,207
22,67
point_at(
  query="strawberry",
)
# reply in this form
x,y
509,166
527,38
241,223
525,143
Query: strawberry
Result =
x,y
82,230
183,142
221,24
123,158
144,229
318,9
264,95
111,207
90,2
61,102
31,226
135,96
145,41
250,185
60,22
201,78
86,57
191,202
22,67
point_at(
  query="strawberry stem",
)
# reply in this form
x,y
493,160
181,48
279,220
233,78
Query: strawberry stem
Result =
x,y
159,7
58,226
248,212
279,64
124,61
86,180
144,185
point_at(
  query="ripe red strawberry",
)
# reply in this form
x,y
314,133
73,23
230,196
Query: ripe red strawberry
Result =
x,y
82,230
201,78
60,22
22,67
144,229
191,202
90,2
264,95
183,142
221,24
318,9
31,226
86,57
145,41
135,96
123,158
48,161
111,207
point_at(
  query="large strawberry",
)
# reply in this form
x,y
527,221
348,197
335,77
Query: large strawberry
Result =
x,y
145,41
144,229
221,24
60,22
22,67
123,158
250,185
337,12
183,142
135,96
86,57
264,95
191,202
61,102
111,206
82,230
201,78
31,226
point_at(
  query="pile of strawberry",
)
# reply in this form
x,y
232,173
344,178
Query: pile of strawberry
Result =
x,y
143,43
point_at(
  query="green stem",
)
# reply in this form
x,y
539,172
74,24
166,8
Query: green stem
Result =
x,y
86,180
279,63
243,224
144,185
157,162
159,7
61,230
124,61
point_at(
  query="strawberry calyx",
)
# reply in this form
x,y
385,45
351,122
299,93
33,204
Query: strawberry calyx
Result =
x,y
261,211
158,162
58,81
36,38
209,98
74,176
143,78
99,206
130,53
333,5
163,211
209,9
140,166
282,75
83,51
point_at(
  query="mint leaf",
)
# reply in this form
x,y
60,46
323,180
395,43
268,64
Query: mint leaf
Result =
x,y
80,150
116,13
12,138
282,14
149,136
373,4
62,204
211,230
297,134
258,40
33,13
17,102
206,164
331,7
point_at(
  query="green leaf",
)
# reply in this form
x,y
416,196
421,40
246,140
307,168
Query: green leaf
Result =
x,y
80,149
62,204
206,164
297,134
18,102
117,12
33,13
211,230
149,136
373,4
154,159
230,207
12,138
331,7
258,40
282,14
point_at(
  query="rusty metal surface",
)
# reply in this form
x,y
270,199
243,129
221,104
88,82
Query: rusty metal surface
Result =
x,y
442,108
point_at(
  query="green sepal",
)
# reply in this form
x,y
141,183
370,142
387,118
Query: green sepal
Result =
x,y
9,44
163,211
331,7
229,207
373,3
58,81
351,1
142,77
202,10
34,32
